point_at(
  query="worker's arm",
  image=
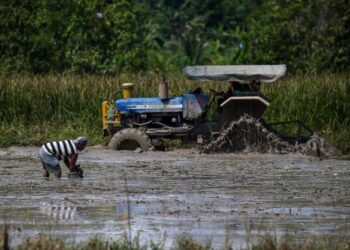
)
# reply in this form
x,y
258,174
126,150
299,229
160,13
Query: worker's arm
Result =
x,y
66,161
70,162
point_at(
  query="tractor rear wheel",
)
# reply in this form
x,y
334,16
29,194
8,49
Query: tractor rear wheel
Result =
x,y
130,139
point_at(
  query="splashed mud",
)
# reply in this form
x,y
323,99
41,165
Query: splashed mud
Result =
x,y
210,197
249,135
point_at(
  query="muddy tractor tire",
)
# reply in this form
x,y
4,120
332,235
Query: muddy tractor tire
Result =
x,y
130,139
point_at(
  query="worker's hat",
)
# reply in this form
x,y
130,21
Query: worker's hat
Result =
x,y
82,140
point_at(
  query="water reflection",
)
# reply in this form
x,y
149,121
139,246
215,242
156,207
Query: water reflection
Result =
x,y
61,211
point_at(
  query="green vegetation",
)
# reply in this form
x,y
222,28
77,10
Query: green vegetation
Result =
x,y
266,242
130,35
321,101
81,36
305,35
38,108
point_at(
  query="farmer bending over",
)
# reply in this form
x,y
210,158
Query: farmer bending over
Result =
x,y
51,152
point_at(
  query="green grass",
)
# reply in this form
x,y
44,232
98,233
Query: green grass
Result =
x,y
266,242
38,108
269,242
322,101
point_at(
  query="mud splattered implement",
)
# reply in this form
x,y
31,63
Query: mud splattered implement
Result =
x,y
236,126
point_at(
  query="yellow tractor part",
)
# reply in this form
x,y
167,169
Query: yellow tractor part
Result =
x,y
128,88
110,115
105,108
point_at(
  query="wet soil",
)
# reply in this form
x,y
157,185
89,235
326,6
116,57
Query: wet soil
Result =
x,y
220,198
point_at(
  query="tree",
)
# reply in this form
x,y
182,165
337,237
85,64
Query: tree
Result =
x,y
306,35
79,35
15,34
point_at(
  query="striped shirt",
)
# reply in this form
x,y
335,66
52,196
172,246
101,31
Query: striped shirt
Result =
x,y
61,148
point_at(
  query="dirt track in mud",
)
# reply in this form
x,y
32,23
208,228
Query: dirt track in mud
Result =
x,y
209,197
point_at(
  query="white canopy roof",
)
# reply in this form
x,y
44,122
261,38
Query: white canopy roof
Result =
x,y
239,73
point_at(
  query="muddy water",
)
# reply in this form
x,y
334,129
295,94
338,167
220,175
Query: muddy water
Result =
x,y
216,197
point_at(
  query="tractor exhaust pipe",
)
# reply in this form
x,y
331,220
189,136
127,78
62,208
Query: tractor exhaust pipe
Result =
x,y
163,89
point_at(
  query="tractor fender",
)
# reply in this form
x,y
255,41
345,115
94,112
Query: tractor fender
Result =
x,y
130,139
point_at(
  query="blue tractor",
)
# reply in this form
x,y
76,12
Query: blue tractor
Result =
x,y
144,122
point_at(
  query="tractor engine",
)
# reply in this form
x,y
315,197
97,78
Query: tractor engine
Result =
x,y
154,112
161,116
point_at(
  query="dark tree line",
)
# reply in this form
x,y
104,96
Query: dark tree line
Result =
x,y
112,36
70,35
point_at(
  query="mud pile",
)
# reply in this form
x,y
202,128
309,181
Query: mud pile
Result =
x,y
249,135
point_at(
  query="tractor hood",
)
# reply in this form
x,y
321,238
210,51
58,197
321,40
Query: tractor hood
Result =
x,y
190,106
239,73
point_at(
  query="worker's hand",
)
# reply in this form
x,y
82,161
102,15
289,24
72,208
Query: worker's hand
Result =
x,y
73,160
77,170
74,168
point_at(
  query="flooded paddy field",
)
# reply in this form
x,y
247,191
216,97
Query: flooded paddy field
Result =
x,y
215,197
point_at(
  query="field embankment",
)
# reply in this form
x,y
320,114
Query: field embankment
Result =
x,y
35,109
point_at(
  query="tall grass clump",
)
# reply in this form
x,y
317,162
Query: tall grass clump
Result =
x,y
322,101
269,242
38,108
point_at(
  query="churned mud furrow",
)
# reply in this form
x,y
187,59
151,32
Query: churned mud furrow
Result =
x,y
251,135
215,196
